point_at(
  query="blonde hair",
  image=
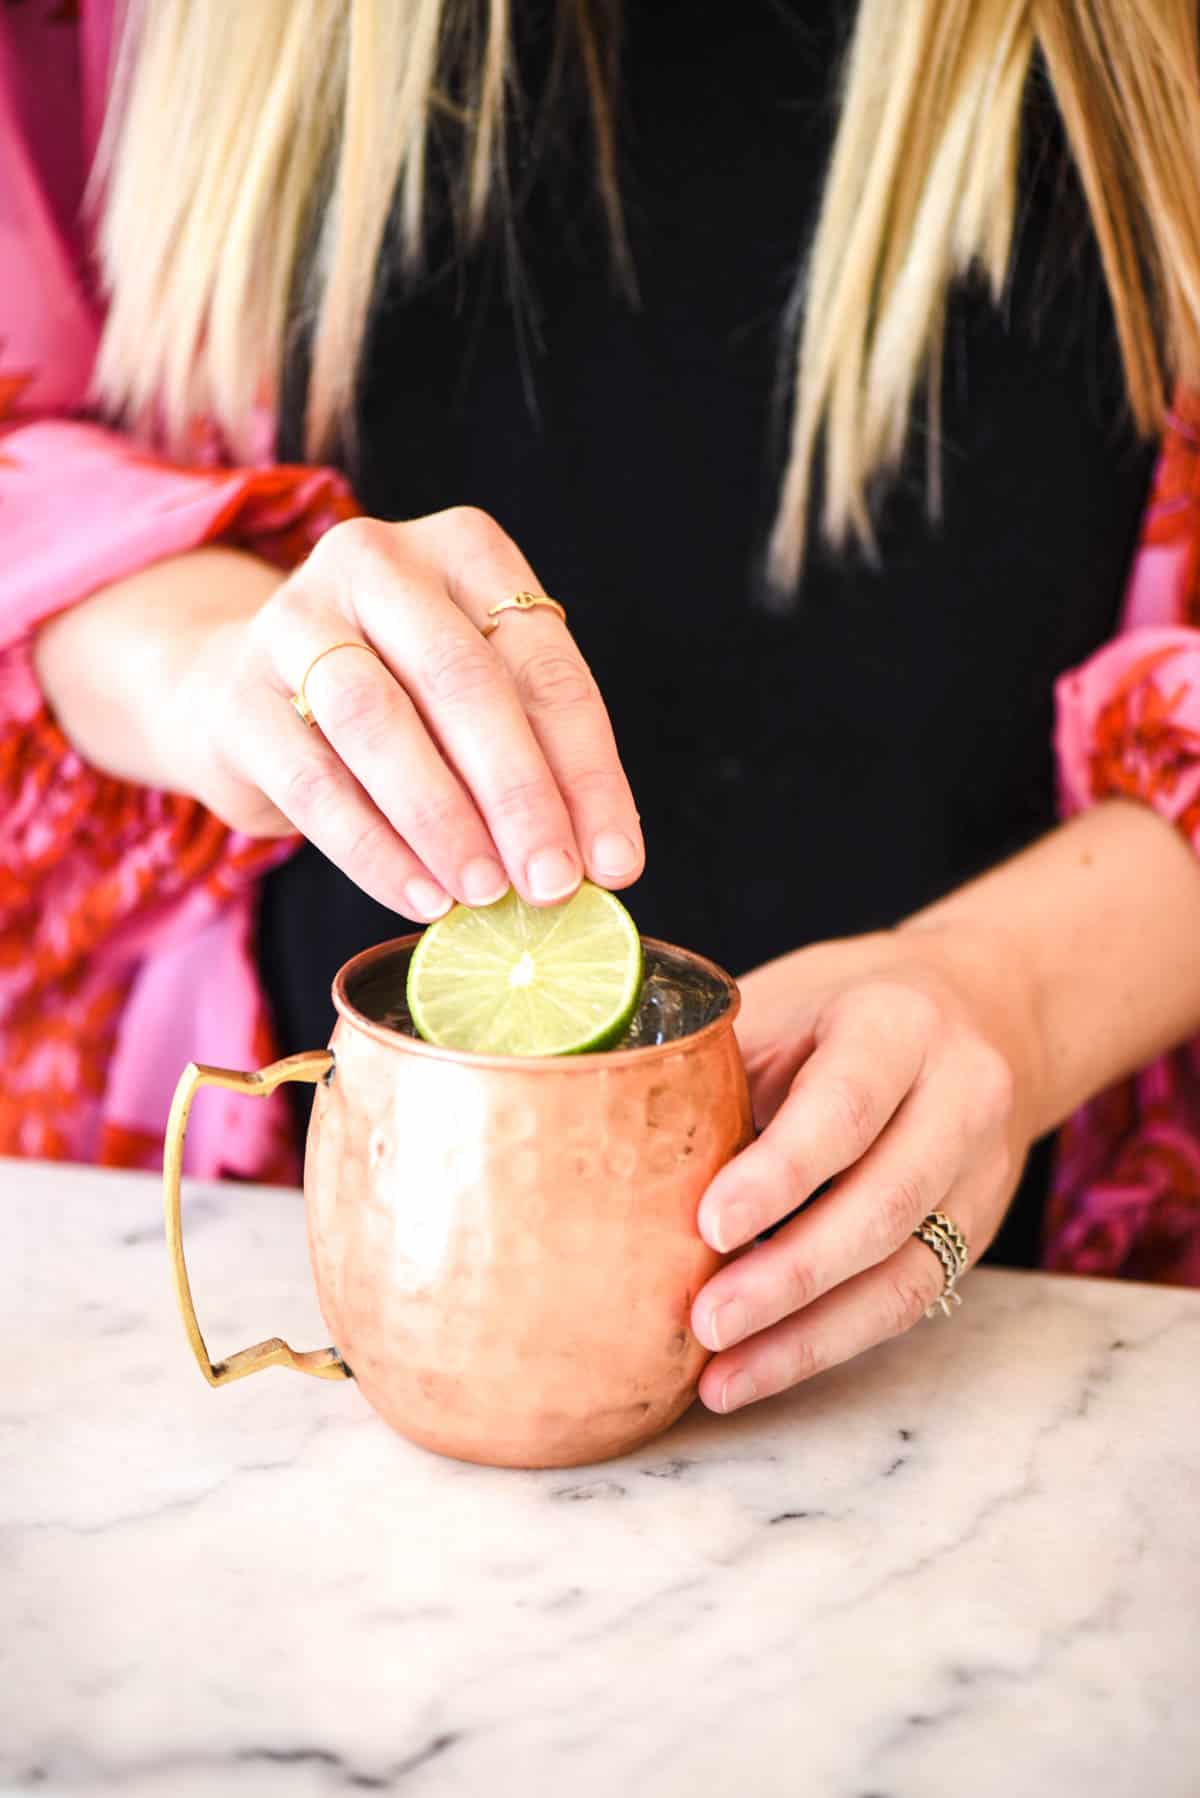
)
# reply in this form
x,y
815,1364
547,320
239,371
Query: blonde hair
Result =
x,y
249,140
243,139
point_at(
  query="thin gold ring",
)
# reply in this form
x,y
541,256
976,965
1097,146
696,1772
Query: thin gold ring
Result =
x,y
300,698
941,1234
521,602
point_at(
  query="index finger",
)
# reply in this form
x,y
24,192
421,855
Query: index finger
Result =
x,y
464,697
556,688
845,1094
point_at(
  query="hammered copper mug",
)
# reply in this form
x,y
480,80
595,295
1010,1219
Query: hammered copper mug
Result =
x,y
505,1249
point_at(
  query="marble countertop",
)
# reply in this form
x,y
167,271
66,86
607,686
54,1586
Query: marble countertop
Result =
x,y
968,1563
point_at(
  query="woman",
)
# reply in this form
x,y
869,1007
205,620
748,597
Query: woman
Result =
x,y
533,312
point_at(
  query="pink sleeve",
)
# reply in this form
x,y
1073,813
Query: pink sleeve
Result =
x,y
80,507
126,915
1125,1199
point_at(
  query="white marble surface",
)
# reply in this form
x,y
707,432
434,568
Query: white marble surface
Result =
x,y
968,1564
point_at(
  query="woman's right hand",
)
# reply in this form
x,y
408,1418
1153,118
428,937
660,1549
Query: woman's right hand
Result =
x,y
450,767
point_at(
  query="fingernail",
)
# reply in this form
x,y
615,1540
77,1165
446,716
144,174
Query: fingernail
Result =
x,y
732,1226
484,881
427,899
738,1390
728,1324
614,855
552,874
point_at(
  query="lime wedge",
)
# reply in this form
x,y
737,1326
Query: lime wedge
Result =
x,y
513,979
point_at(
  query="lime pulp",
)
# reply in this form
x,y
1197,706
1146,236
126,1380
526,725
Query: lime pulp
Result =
x,y
516,979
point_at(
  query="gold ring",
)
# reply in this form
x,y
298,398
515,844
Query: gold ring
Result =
x,y
521,602
299,698
941,1234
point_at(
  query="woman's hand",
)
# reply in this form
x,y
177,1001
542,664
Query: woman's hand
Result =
x,y
902,1067
446,769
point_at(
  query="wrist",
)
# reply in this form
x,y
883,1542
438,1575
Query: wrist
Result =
x,y
192,662
118,670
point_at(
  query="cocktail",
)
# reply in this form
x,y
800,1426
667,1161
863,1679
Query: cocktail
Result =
x,y
505,1246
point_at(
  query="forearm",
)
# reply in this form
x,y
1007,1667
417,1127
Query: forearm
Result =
x,y
1098,926
105,665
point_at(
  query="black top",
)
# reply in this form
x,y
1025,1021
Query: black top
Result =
x,y
800,777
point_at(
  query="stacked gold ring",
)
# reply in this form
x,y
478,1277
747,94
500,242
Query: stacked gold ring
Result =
x,y
941,1234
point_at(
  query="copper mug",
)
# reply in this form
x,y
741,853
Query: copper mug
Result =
x,y
505,1249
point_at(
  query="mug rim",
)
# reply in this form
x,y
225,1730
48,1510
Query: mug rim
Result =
x,y
585,1063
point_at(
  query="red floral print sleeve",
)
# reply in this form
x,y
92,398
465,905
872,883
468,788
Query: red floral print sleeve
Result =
x,y
1126,1197
125,914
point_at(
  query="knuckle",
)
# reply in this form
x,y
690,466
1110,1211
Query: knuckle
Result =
x,y
804,1359
368,848
434,815
993,1084
899,1208
281,634
469,521
894,1007
554,681
309,788
800,1283
855,1111
598,783
459,669
923,1013
470,532
357,708
355,538
905,1302
520,800
783,1171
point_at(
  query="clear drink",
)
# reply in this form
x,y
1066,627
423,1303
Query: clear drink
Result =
x,y
677,1000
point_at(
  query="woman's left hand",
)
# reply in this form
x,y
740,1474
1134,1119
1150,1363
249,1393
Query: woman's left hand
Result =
x,y
904,1068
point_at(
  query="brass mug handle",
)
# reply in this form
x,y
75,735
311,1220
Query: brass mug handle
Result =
x,y
313,1066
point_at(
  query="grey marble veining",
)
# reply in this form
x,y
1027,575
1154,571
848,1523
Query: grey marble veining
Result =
x,y
967,1564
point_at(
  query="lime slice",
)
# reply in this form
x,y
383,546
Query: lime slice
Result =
x,y
513,979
